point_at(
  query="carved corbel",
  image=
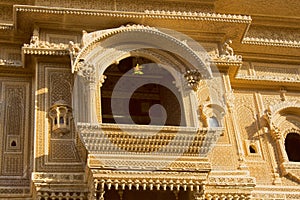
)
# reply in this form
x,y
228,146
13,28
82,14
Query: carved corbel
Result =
x,y
73,51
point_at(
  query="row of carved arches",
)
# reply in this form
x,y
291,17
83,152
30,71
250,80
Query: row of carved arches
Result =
x,y
284,127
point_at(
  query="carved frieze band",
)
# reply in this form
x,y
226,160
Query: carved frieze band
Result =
x,y
269,72
272,36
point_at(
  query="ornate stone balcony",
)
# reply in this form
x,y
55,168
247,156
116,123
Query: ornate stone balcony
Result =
x,y
146,147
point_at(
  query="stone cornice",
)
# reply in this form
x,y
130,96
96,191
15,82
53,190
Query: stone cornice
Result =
x,y
275,21
271,42
172,15
6,26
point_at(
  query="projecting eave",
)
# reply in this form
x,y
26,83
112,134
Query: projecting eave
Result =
x,y
204,25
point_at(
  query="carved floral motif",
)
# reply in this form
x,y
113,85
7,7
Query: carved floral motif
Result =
x,y
193,77
87,71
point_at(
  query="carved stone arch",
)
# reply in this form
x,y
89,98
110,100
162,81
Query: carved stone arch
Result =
x,y
129,38
275,116
291,130
247,126
286,105
102,48
247,107
210,113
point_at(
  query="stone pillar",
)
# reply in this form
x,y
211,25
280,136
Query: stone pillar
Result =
x,y
232,113
87,72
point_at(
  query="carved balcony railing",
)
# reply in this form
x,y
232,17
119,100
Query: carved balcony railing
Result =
x,y
147,147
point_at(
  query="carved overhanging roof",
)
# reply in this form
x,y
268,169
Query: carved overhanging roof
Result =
x,y
230,178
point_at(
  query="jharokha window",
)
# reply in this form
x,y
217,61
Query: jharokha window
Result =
x,y
292,146
155,88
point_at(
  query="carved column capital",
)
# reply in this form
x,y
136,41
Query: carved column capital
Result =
x,y
275,132
87,71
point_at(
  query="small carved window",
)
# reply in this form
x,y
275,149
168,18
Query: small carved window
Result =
x,y
13,143
292,146
61,120
213,122
252,149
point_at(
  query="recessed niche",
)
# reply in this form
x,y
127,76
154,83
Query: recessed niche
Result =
x,y
13,143
252,148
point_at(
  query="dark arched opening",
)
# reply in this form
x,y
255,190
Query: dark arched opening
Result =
x,y
144,109
292,146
